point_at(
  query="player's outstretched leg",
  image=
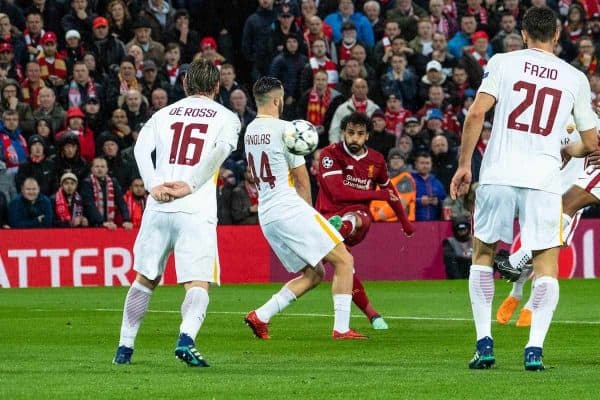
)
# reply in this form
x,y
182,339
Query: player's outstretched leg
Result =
x,y
341,289
360,298
524,319
258,320
509,305
193,312
134,310
508,269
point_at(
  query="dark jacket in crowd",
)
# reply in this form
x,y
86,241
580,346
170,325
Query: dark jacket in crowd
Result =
x,y
89,205
24,214
42,171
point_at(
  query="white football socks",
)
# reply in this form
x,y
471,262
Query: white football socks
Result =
x,y
136,305
519,258
193,311
528,304
342,303
545,298
481,292
517,287
276,304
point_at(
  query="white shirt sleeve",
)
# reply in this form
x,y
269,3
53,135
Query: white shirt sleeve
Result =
x,y
584,115
490,83
230,132
144,146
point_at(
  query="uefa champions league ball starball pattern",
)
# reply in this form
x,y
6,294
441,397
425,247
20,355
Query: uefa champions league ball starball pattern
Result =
x,y
301,137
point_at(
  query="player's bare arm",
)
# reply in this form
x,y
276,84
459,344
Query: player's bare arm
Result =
x,y
471,132
302,182
587,145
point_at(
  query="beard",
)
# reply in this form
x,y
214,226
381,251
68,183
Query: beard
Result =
x,y
354,148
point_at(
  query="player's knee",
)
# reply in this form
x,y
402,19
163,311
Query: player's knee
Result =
x,y
149,283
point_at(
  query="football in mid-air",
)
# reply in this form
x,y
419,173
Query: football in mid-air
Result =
x,y
301,137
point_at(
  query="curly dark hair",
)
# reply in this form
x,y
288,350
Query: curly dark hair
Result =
x,y
540,23
357,118
202,77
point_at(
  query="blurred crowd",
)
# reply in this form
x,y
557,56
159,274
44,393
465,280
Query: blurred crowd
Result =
x,y
79,79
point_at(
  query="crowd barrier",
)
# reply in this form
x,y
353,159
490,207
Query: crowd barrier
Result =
x,y
98,257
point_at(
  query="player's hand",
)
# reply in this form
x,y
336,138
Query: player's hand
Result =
x,y
593,160
461,182
565,157
160,194
177,189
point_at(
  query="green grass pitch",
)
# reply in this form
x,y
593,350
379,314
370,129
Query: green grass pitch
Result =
x,y
59,343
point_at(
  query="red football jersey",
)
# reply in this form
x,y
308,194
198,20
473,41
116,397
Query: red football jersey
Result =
x,y
349,180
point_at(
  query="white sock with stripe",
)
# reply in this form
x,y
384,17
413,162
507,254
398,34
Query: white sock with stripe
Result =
x,y
519,258
545,298
481,292
342,304
136,305
276,304
193,311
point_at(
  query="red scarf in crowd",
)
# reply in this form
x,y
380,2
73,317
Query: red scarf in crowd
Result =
x,y
481,60
593,65
345,51
75,95
359,106
173,72
35,42
31,96
57,67
136,208
11,158
99,197
483,16
327,66
252,193
440,25
62,210
394,119
450,9
317,106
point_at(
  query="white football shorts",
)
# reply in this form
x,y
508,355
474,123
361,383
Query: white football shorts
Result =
x,y
540,216
301,239
191,237
590,182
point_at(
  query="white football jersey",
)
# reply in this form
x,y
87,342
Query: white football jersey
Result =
x,y
271,164
536,93
575,167
182,133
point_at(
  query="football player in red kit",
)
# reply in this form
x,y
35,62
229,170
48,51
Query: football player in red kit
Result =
x,y
349,174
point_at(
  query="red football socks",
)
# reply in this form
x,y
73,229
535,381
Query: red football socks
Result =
x,y
359,297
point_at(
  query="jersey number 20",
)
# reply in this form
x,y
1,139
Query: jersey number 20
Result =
x,y
181,143
537,99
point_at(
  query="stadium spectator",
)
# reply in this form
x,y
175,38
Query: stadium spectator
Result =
x,y
159,14
136,106
102,198
152,49
458,250
383,48
135,198
107,49
281,30
7,182
239,106
119,126
458,86
406,13
32,84
244,201
80,19
359,102
434,76
287,67
3,211
13,147
34,29
76,92
119,20
137,53
359,53
445,161
94,115
10,101
9,61
151,80
95,72
412,129
372,10
317,29
69,158
315,103
400,81
68,204
508,25
345,46
53,67
575,22
75,125
127,153
346,13
405,145
180,33
73,51
402,180
440,54
43,128
462,38
430,191
514,42
486,133
49,109
38,166
158,99
593,28
422,43
586,60
395,115
30,209
318,61
209,52
441,21
117,168
227,84
256,38
349,73
380,139
227,183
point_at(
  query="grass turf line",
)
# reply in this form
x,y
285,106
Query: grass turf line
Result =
x,y
65,350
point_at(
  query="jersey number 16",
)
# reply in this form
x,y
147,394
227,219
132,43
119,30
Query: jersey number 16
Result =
x,y
181,143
